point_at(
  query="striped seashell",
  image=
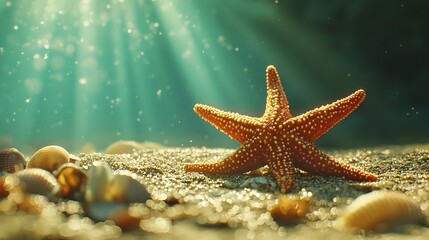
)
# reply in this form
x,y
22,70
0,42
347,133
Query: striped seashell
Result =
x,y
380,211
37,181
11,160
72,180
49,158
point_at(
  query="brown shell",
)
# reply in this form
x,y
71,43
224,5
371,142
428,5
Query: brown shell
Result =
x,y
72,180
379,211
11,160
38,181
49,158
289,210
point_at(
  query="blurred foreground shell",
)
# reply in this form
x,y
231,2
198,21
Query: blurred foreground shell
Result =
x,y
72,180
99,177
124,187
290,210
104,186
49,158
379,211
108,195
11,160
32,181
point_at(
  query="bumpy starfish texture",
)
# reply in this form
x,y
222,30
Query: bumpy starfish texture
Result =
x,y
279,140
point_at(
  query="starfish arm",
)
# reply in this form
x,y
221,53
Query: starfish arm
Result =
x,y
277,104
238,127
315,123
246,158
282,169
308,158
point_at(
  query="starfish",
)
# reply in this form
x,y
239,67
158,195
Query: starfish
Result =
x,y
279,140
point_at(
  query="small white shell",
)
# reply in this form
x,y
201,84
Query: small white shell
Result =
x,y
99,177
49,158
378,210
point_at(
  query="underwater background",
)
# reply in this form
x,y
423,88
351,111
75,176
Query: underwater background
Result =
x,y
96,71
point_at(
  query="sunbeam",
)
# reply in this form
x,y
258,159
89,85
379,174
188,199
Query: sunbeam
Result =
x,y
94,71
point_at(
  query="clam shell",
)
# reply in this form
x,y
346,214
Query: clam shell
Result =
x,y
72,180
99,177
37,181
49,158
379,210
124,187
11,160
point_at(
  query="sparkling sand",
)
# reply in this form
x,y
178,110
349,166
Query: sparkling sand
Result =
x,y
192,205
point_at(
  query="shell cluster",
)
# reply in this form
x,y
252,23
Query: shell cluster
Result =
x,y
53,173
37,177
380,211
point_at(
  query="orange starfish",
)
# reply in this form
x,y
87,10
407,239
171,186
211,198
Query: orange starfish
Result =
x,y
280,140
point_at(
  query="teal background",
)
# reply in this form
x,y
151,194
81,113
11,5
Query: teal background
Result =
x,y
77,72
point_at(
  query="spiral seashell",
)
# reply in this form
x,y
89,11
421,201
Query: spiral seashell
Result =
x,y
36,181
99,177
124,187
72,180
11,160
379,210
49,158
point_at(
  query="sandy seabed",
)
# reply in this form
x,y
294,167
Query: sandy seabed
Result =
x,y
193,205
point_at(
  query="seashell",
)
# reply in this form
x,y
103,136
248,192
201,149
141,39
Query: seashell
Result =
x,y
99,177
104,186
72,180
11,160
121,146
36,181
379,211
124,187
49,158
289,210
